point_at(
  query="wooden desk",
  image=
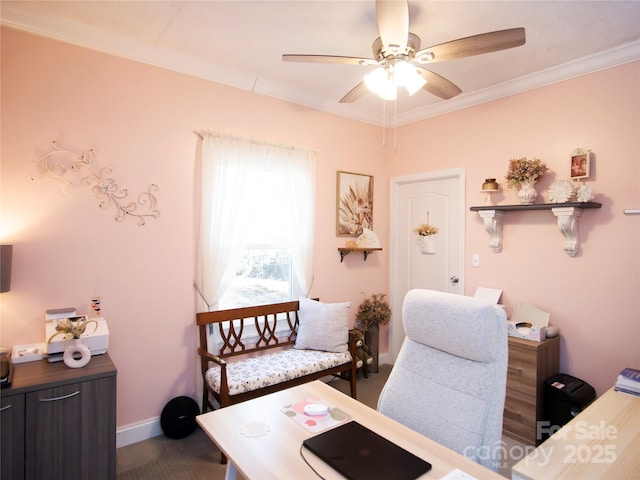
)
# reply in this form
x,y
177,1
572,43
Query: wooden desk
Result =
x,y
276,455
603,441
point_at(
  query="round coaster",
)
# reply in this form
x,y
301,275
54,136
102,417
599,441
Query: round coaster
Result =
x,y
255,429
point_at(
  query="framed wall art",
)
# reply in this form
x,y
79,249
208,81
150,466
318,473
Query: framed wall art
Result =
x,y
579,164
354,203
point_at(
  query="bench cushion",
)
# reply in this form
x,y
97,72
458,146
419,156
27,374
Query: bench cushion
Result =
x,y
250,374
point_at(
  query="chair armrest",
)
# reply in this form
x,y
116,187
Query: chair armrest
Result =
x,y
353,339
214,358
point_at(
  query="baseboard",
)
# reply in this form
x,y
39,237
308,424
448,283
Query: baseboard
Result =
x,y
138,432
384,359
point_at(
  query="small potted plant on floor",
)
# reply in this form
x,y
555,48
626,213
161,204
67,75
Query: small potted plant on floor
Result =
x,y
373,312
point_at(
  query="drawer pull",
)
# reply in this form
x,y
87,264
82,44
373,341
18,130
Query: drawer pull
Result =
x,y
6,407
515,371
55,399
512,415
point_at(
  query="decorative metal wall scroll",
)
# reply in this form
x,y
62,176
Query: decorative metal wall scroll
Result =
x,y
60,163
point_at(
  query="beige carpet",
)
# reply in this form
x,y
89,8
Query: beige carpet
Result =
x,y
197,458
161,458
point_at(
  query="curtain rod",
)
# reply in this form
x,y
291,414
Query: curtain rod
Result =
x,y
202,133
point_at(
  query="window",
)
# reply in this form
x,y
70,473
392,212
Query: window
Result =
x,y
264,276
263,272
257,222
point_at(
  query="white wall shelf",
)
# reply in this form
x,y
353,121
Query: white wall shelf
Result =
x,y
566,213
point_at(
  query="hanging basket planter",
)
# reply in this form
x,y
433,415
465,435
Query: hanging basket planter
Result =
x,y
426,237
427,244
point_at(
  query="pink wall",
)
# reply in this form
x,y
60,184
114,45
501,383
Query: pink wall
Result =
x,y
140,121
594,297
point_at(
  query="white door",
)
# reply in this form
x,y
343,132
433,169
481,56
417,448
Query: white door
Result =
x,y
439,198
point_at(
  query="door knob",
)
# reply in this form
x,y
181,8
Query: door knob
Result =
x,y
454,279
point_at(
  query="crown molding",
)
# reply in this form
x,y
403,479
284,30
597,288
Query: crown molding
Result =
x,y
614,57
118,45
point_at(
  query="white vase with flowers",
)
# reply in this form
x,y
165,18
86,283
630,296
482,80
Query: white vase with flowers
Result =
x,y
522,176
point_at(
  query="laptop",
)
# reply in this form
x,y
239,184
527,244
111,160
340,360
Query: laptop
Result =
x,y
357,453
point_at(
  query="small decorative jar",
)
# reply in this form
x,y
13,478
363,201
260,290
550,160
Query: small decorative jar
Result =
x,y
490,184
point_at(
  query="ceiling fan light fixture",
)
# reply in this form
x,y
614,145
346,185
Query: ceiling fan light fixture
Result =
x,y
415,83
388,90
407,76
380,82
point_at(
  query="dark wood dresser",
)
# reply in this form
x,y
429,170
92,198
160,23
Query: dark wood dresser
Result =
x,y
59,422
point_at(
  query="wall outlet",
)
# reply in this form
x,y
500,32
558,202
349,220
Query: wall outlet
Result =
x,y
475,260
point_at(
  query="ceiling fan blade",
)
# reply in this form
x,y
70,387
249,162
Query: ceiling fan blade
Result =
x,y
474,45
438,85
393,23
328,59
355,93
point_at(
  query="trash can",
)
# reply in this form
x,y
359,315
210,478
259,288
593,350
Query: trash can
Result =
x,y
178,418
564,397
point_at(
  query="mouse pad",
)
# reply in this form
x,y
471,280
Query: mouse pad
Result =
x,y
315,423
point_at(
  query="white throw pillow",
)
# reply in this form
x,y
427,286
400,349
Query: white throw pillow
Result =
x,y
323,326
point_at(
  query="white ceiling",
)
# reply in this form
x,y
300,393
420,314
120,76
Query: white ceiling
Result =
x,y
240,43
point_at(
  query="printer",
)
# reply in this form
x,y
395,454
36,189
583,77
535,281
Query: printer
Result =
x,y
564,397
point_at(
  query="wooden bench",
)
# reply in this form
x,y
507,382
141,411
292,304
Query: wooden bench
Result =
x,y
229,373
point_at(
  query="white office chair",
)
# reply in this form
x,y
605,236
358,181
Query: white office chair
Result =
x,y
449,379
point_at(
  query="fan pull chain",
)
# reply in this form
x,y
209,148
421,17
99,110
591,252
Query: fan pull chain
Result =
x,y
395,126
384,124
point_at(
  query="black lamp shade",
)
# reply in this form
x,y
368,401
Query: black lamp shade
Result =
x,y
6,253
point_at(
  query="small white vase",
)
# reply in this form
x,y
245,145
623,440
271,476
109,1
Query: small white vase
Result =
x,y
427,244
73,350
526,193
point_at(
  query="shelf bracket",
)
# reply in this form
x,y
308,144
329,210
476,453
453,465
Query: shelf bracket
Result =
x,y
492,220
344,253
567,215
568,224
365,251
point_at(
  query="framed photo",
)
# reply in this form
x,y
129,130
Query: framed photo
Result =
x,y
354,203
579,164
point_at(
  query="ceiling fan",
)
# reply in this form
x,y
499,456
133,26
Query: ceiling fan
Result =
x,y
401,61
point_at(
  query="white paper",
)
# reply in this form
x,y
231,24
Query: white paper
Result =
x,y
525,313
489,295
458,474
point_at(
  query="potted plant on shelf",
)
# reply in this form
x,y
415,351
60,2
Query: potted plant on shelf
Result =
x,y
522,175
373,312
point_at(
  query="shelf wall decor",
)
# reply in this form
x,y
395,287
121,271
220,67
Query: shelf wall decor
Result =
x,y
566,213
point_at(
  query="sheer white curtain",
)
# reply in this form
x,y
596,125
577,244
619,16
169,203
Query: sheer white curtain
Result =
x,y
237,174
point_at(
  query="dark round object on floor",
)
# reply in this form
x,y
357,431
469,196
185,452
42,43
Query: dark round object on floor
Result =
x,y
178,418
